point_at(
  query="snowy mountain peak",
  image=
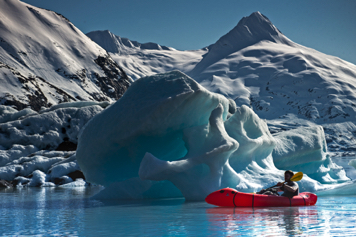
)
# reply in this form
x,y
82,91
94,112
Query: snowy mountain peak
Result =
x,y
108,40
257,25
116,44
249,31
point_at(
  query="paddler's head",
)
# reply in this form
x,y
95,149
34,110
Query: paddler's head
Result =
x,y
288,175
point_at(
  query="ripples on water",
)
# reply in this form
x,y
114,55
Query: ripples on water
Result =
x,y
70,212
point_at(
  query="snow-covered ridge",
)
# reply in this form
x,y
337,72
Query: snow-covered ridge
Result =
x,y
46,60
116,44
256,65
138,60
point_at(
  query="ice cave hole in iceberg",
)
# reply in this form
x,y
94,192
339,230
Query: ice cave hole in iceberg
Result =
x,y
168,136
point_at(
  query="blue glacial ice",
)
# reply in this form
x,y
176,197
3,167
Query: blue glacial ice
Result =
x,y
305,149
168,136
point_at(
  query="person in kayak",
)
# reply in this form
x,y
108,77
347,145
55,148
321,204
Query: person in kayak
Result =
x,y
289,187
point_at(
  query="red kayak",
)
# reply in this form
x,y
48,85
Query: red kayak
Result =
x,y
229,197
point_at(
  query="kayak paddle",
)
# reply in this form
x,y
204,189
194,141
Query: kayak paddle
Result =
x,y
295,178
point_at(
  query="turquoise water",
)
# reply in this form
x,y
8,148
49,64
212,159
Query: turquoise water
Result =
x,y
70,212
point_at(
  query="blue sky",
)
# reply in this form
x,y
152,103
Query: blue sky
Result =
x,y
328,26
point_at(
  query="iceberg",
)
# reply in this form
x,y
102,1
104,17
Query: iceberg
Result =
x,y
150,117
347,188
304,149
168,136
205,167
353,163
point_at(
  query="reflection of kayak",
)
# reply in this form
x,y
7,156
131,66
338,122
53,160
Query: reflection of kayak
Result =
x,y
246,215
228,197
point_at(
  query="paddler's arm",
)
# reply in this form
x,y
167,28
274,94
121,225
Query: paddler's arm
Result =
x,y
284,187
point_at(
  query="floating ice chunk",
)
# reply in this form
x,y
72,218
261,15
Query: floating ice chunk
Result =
x,y
353,163
76,183
298,146
10,172
304,149
38,179
348,188
252,160
150,117
205,168
22,161
63,168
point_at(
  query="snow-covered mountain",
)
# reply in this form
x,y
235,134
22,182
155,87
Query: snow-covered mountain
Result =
x,y
46,60
256,65
139,60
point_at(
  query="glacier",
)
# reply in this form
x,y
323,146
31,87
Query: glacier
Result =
x,y
31,151
168,136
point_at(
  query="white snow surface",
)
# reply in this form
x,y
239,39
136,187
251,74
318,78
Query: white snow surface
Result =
x,y
138,60
8,113
51,55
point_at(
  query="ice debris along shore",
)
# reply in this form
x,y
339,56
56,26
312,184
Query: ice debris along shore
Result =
x,y
168,136
38,149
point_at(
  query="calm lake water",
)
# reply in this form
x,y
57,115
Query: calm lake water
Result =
x,y
70,212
